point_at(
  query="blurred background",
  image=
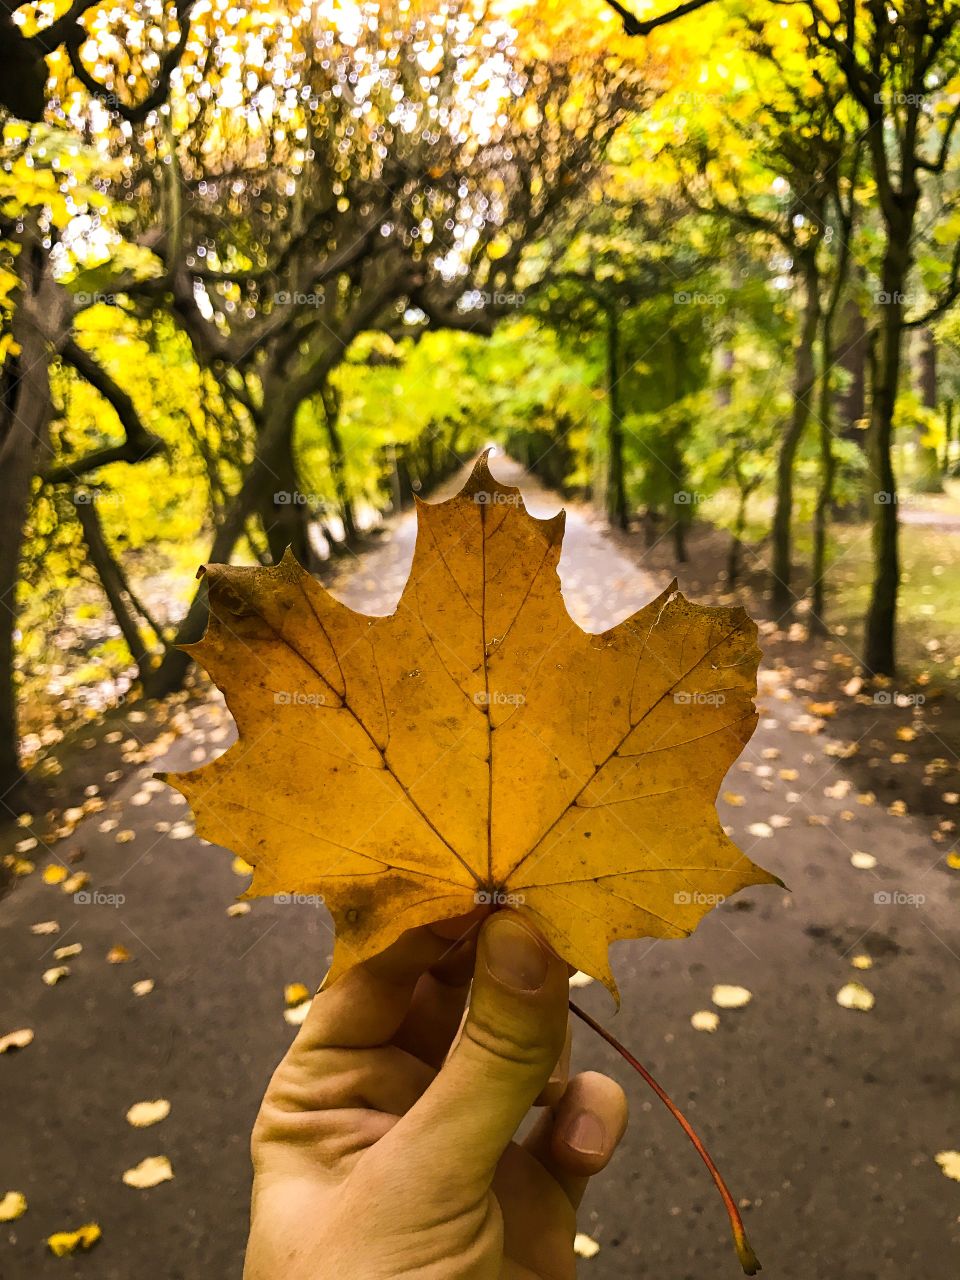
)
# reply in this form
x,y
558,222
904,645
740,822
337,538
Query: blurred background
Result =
x,y
267,272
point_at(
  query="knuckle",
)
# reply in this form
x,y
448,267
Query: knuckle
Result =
x,y
511,1042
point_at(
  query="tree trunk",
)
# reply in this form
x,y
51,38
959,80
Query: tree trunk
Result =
x,y
852,401
745,488
929,479
804,380
880,626
616,489
112,580
338,463
948,410
724,395
828,470
25,411
257,483
285,511
680,539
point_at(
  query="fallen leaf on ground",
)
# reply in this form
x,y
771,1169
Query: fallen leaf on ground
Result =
x,y
149,1173
730,997
476,746
62,1243
585,1246
949,1162
240,867
143,987
118,954
52,976
143,1114
855,996
863,861
16,1040
298,1013
953,860
54,873
12,1206
238,909
64,953
44,927
705,1020
73,884
862,962
295,993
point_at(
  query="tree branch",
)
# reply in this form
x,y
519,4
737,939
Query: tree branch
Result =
x,y
139,444
632,25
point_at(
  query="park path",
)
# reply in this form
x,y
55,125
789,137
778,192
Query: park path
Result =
x,y
825,1120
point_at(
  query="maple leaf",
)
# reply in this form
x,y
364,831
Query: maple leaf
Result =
x,y
477,746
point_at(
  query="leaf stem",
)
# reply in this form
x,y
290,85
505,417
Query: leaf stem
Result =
x,y
748,1259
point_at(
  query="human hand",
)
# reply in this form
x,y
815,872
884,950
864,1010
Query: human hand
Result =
x,y
379,1152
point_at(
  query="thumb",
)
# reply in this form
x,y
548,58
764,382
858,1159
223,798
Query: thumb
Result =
x,y
511,1040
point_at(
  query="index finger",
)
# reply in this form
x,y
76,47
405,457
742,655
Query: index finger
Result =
x,y
367,1005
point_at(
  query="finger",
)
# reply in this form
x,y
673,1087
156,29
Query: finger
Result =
x,y
436,1009
511,1041
578,1138
366,1006
381,1079
553,1090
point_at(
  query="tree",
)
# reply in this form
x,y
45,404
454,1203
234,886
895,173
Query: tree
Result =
x,y
900,63
299,184
773,158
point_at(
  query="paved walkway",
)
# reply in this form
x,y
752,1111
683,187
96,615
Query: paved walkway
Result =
x,y
825,1120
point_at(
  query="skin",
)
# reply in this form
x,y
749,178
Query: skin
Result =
x,y
384,1146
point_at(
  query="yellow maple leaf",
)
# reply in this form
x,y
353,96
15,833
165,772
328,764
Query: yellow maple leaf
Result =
x,y
476,747
63,1242
13,1205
